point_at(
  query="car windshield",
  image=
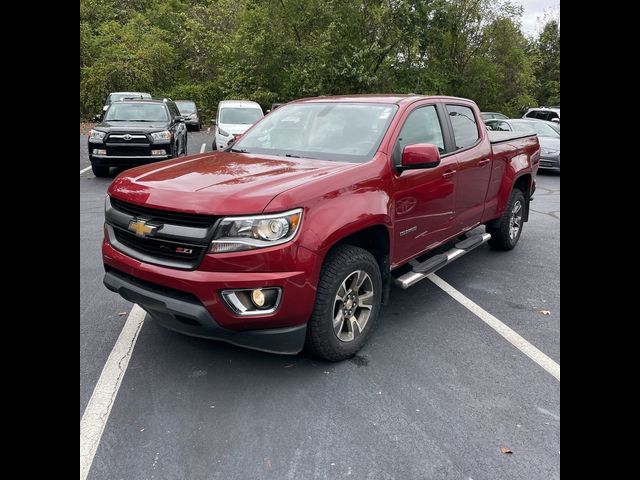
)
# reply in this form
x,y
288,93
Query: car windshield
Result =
x,y
539,128
348,132
138,112
244,116
186,106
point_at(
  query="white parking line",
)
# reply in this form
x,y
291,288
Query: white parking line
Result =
x,y
104,394
85,169
516,340
204,145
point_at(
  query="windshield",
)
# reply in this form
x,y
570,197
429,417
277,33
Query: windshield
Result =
x,y
244,116
186,106
139,112
349,132
539,128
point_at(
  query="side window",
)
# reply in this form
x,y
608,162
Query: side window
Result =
x,y
552,115
504,127
173,110
465,128
422,126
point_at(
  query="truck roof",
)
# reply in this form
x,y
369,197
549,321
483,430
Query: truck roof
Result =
x,y
377,98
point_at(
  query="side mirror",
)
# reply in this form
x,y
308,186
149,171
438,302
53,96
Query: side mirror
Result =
x,y
178,119
420,155
104,109
557,120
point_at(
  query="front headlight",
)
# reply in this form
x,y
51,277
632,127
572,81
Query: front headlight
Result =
x,y
96,135
235,234
165,135
223,133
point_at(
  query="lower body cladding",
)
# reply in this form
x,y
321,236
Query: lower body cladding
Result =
x,y
192,302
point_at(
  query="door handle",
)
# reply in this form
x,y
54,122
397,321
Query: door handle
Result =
x,y
482,163
448,174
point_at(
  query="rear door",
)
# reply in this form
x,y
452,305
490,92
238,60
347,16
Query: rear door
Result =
x,y
423,204
472,154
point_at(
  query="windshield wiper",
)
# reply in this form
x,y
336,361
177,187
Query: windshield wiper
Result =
x,y
290,155
239,150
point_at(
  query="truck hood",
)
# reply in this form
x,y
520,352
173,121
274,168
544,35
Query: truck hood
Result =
x,y
219,183
235,128
133,126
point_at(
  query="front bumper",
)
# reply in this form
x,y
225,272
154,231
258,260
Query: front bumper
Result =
x,y
127,154
186,314
221,142
217,273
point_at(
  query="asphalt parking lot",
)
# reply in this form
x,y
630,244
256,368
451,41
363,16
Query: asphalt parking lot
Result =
x,y
435,394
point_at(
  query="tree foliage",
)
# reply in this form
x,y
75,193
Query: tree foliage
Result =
x,y
278,50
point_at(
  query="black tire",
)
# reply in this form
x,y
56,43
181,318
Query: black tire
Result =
x,y
100,170
184,148
198,127
341,262
501,232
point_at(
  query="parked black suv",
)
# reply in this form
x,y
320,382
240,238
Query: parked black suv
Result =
x,y
134,132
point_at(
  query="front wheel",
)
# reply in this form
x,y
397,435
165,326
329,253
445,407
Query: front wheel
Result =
x,y
100,170
506,233
347,304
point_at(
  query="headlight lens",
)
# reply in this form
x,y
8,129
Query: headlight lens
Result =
x,y
235,234
165,135
96,135
222,132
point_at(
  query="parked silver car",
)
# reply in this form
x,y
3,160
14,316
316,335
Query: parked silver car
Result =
x,y
548,137
189,112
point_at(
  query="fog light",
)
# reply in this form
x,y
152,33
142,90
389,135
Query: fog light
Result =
x,y
255,301
158,152
257,297
98,151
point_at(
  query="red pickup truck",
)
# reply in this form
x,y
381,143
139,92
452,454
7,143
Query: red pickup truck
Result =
x,y
292,237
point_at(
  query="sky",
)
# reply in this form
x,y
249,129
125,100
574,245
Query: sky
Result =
x,y
534,9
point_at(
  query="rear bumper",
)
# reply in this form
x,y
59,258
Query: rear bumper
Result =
x,y
186,314
550,163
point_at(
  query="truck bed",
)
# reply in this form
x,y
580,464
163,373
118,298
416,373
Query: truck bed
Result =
x,y
497,137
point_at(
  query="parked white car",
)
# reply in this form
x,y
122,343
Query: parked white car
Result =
x,y
550,114
234,117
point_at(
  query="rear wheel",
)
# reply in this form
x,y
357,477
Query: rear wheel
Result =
x,y
506,232
100,170
347,304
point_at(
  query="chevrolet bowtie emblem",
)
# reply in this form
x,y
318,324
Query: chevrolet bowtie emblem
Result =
x,y
141,228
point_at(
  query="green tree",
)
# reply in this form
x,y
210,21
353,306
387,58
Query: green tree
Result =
x,y
548,67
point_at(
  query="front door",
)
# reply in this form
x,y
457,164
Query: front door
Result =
x,y
423,200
